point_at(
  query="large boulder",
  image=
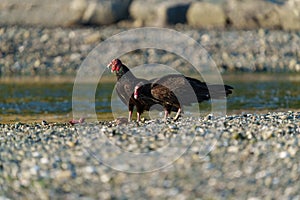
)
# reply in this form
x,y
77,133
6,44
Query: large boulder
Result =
x,y
103,12
289,15
37,12
249,14
158,12
144,12
62,12
206,15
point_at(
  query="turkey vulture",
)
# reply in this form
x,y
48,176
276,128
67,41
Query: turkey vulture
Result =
x,y
126,85
143,93
165,91
175,90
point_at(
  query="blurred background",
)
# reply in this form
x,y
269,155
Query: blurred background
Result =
x,y
254,43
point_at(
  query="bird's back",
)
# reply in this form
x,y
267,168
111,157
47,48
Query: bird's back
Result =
x,y
175,88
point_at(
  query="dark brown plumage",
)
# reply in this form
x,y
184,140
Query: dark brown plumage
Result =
x,y
174,91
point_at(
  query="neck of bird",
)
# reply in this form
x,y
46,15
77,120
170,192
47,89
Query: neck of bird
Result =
x,y
125,73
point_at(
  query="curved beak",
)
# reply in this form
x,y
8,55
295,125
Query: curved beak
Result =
x,y
109,66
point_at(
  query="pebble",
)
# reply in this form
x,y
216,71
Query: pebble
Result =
x,y
283,154
233,149
104,178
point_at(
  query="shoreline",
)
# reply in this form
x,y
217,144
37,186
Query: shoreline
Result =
x,y
108,117
228,76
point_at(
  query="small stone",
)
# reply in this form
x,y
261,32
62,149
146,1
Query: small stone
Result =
x,y
63,175
292,151
93,38
70,143
75,56
36,154
34,170
233,149
44,160
21,49
104,178
283,154
44,38
90,169
267,134
58,59
37,63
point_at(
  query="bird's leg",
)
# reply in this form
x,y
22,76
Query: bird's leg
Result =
x,y
130,108
139,111
178,114
167,111
129,115
138,116
166,114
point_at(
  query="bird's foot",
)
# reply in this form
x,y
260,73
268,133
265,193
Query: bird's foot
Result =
x,y
176,118
141,120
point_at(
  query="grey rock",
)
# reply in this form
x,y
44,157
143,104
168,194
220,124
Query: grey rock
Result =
x,y
102,12
252,14
159,13
289,15
144,12
62,12
206,15
36,12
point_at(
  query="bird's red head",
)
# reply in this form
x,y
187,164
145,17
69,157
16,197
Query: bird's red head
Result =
x,y
115,65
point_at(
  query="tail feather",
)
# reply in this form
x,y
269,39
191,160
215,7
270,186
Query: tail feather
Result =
x,y
206,91
220,91
214,91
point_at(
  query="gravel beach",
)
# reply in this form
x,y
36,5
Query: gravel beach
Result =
x,y
249,156
58,51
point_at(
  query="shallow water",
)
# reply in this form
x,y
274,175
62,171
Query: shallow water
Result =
x,y
265,92
252,93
